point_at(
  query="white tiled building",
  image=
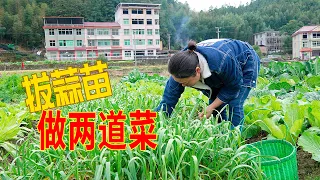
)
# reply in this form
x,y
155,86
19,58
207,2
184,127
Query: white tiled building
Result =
x,y
272,40
134,32
306,42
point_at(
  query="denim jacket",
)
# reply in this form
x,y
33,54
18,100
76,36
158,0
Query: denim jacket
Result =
x,y
232,63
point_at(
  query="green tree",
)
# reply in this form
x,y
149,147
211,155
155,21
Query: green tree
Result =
x,y
291,27
17,28
67,8
258,51
28,15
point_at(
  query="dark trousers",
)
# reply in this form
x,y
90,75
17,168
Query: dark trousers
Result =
x,y
236,114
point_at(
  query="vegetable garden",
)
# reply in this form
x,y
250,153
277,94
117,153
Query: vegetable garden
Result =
x,y
285,105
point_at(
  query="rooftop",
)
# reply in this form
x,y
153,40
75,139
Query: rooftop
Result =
x,y
306,29
141,5
271,31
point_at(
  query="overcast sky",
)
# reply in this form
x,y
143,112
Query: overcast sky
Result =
x,y
199,5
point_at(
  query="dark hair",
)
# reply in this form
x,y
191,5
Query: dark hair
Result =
x,y
183,64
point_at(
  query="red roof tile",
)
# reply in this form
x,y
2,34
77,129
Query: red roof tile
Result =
x,y
305,50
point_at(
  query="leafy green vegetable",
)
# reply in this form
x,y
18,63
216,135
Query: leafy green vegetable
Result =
x,y
281,85
10,124
313,81
294,117
314,114
310,142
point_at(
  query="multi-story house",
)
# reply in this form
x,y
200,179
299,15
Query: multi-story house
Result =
x,y
306,42
135,32
272,40
140,26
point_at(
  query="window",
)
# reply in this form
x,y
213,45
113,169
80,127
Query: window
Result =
x,y
158,42
305,36
116,53
66,43
149,21
150,42
79,42
156,12
70,43
156,31
51,32
103,32
148,11
316,35
91,54
68,31
315,43
52,43
78,31
104,42
149,31
156,21
138,31
91,43
115,43
137,11
304,44
139,42
134,11
80,54
115,32
125,21
140,53
127,53
126,32
65,31
90,31
125,11
137,21
127,42
62,43
150,52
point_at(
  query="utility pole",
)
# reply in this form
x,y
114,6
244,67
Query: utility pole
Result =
x,y
169,41
134,48
218,32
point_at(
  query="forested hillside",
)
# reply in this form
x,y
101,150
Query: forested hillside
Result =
x,y
21,20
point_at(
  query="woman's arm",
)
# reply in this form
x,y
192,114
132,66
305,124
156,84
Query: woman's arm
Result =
x,y
171,95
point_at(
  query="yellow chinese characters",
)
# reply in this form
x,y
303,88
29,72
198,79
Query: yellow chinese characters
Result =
x,y
67,86
96,85
40,97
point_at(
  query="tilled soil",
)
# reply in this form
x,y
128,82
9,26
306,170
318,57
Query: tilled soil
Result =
x,y
308,169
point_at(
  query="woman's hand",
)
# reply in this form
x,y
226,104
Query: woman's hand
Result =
x,y
209,110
